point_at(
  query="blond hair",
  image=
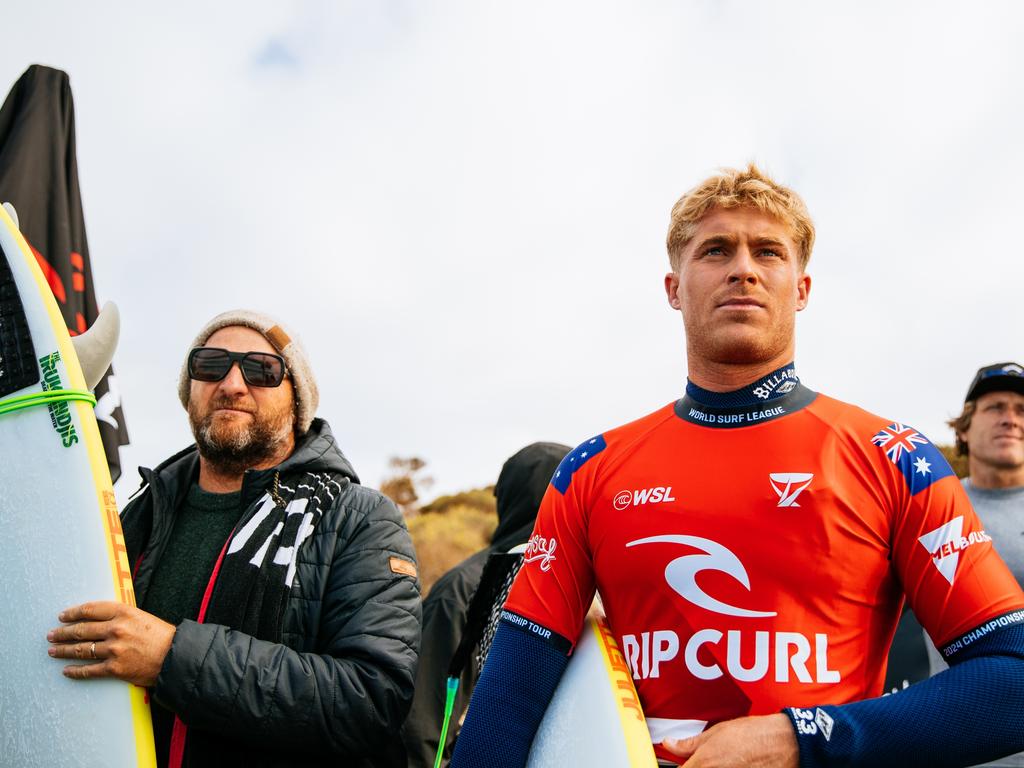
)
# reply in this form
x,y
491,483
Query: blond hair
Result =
x,y
733,188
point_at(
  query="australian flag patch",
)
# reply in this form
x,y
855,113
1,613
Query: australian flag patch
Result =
x,y
919,461
575,459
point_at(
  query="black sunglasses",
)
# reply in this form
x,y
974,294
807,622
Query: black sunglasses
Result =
x,y
259,369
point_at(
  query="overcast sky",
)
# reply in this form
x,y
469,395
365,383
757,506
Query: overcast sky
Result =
x,y
461,206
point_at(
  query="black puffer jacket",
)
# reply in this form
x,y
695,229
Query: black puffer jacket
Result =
x,y
338,687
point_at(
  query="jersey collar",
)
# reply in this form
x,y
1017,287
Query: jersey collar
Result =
x,y
776,395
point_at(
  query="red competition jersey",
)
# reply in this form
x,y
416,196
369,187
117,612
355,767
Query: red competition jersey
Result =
x,y
754,558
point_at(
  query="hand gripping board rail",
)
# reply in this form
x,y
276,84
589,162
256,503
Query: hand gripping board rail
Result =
x,y
61,540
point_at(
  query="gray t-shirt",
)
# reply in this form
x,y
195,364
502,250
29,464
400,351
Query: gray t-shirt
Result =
x,y
1002,515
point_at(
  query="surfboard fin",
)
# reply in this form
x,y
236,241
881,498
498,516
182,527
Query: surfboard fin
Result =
x,y
95,348
12,213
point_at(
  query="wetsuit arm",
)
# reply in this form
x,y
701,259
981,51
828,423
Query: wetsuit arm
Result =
x,y
969,714
522,671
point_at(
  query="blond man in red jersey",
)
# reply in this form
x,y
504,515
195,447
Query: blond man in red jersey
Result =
x,y
753,542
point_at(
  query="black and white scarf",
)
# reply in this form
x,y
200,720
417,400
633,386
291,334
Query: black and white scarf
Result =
x,y
257,569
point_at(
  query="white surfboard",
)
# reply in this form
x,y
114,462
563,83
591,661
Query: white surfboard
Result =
x,y
595,717
61,540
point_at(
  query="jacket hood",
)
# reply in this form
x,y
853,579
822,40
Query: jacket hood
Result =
x,y
315,451
521,485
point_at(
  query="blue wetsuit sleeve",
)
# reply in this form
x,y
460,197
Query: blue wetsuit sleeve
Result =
x,y
971,713
522,671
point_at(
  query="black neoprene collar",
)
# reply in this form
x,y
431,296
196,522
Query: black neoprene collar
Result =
x,y
770,397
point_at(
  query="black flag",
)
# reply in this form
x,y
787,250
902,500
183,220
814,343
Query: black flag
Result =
x,y
39,176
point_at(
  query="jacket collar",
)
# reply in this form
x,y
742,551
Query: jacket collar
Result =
x,y
315,451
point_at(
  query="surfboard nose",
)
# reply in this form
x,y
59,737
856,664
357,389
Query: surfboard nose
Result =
x,y
13,214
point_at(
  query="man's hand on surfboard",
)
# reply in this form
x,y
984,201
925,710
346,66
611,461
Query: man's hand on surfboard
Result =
x,y
125,642
752,742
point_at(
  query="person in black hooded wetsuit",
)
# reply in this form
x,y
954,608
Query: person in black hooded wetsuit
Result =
x,y
521,485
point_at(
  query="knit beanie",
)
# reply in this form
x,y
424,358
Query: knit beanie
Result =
x,y
307,397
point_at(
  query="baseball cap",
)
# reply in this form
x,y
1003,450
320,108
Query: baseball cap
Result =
x,y
1001,377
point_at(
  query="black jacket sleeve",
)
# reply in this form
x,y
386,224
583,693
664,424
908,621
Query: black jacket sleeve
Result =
x,y
346,695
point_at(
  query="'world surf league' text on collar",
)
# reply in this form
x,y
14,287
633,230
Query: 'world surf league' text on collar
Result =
x,y
749,415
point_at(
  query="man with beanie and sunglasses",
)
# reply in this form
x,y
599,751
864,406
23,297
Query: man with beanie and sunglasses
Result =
x,y
279,618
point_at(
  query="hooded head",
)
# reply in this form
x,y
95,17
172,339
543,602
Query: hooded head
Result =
x,y
521,485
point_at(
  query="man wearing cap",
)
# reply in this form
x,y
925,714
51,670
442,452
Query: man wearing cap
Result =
x,y
990,432
278,618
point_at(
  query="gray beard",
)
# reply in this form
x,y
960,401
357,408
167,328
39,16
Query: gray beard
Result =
x,y
243,449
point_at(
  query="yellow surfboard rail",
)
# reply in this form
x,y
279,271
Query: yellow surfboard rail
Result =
x,y
117,555
631,714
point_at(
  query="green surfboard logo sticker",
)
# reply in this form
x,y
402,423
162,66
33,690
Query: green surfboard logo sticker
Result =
x,y
60,412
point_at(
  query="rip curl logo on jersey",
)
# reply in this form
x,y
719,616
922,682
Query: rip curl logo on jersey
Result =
x,y
540,550
660,494
946,543
789,485
681,573
747,656
742,655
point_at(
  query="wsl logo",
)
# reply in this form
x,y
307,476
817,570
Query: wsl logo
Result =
x,y
60,413
660,494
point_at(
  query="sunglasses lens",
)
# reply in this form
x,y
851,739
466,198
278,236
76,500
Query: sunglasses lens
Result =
x,y
208,364
263,370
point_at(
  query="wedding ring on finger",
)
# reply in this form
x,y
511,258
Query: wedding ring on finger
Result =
x,y
92,650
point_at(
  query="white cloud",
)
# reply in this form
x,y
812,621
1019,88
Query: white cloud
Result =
x,y
461,205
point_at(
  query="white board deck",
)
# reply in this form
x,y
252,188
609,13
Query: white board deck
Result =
x,y
62,546
594,718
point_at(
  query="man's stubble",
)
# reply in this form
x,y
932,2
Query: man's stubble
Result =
x,y
232,449
732,346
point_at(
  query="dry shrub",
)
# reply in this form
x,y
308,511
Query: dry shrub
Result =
x,y
404,484
443,540
478,498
